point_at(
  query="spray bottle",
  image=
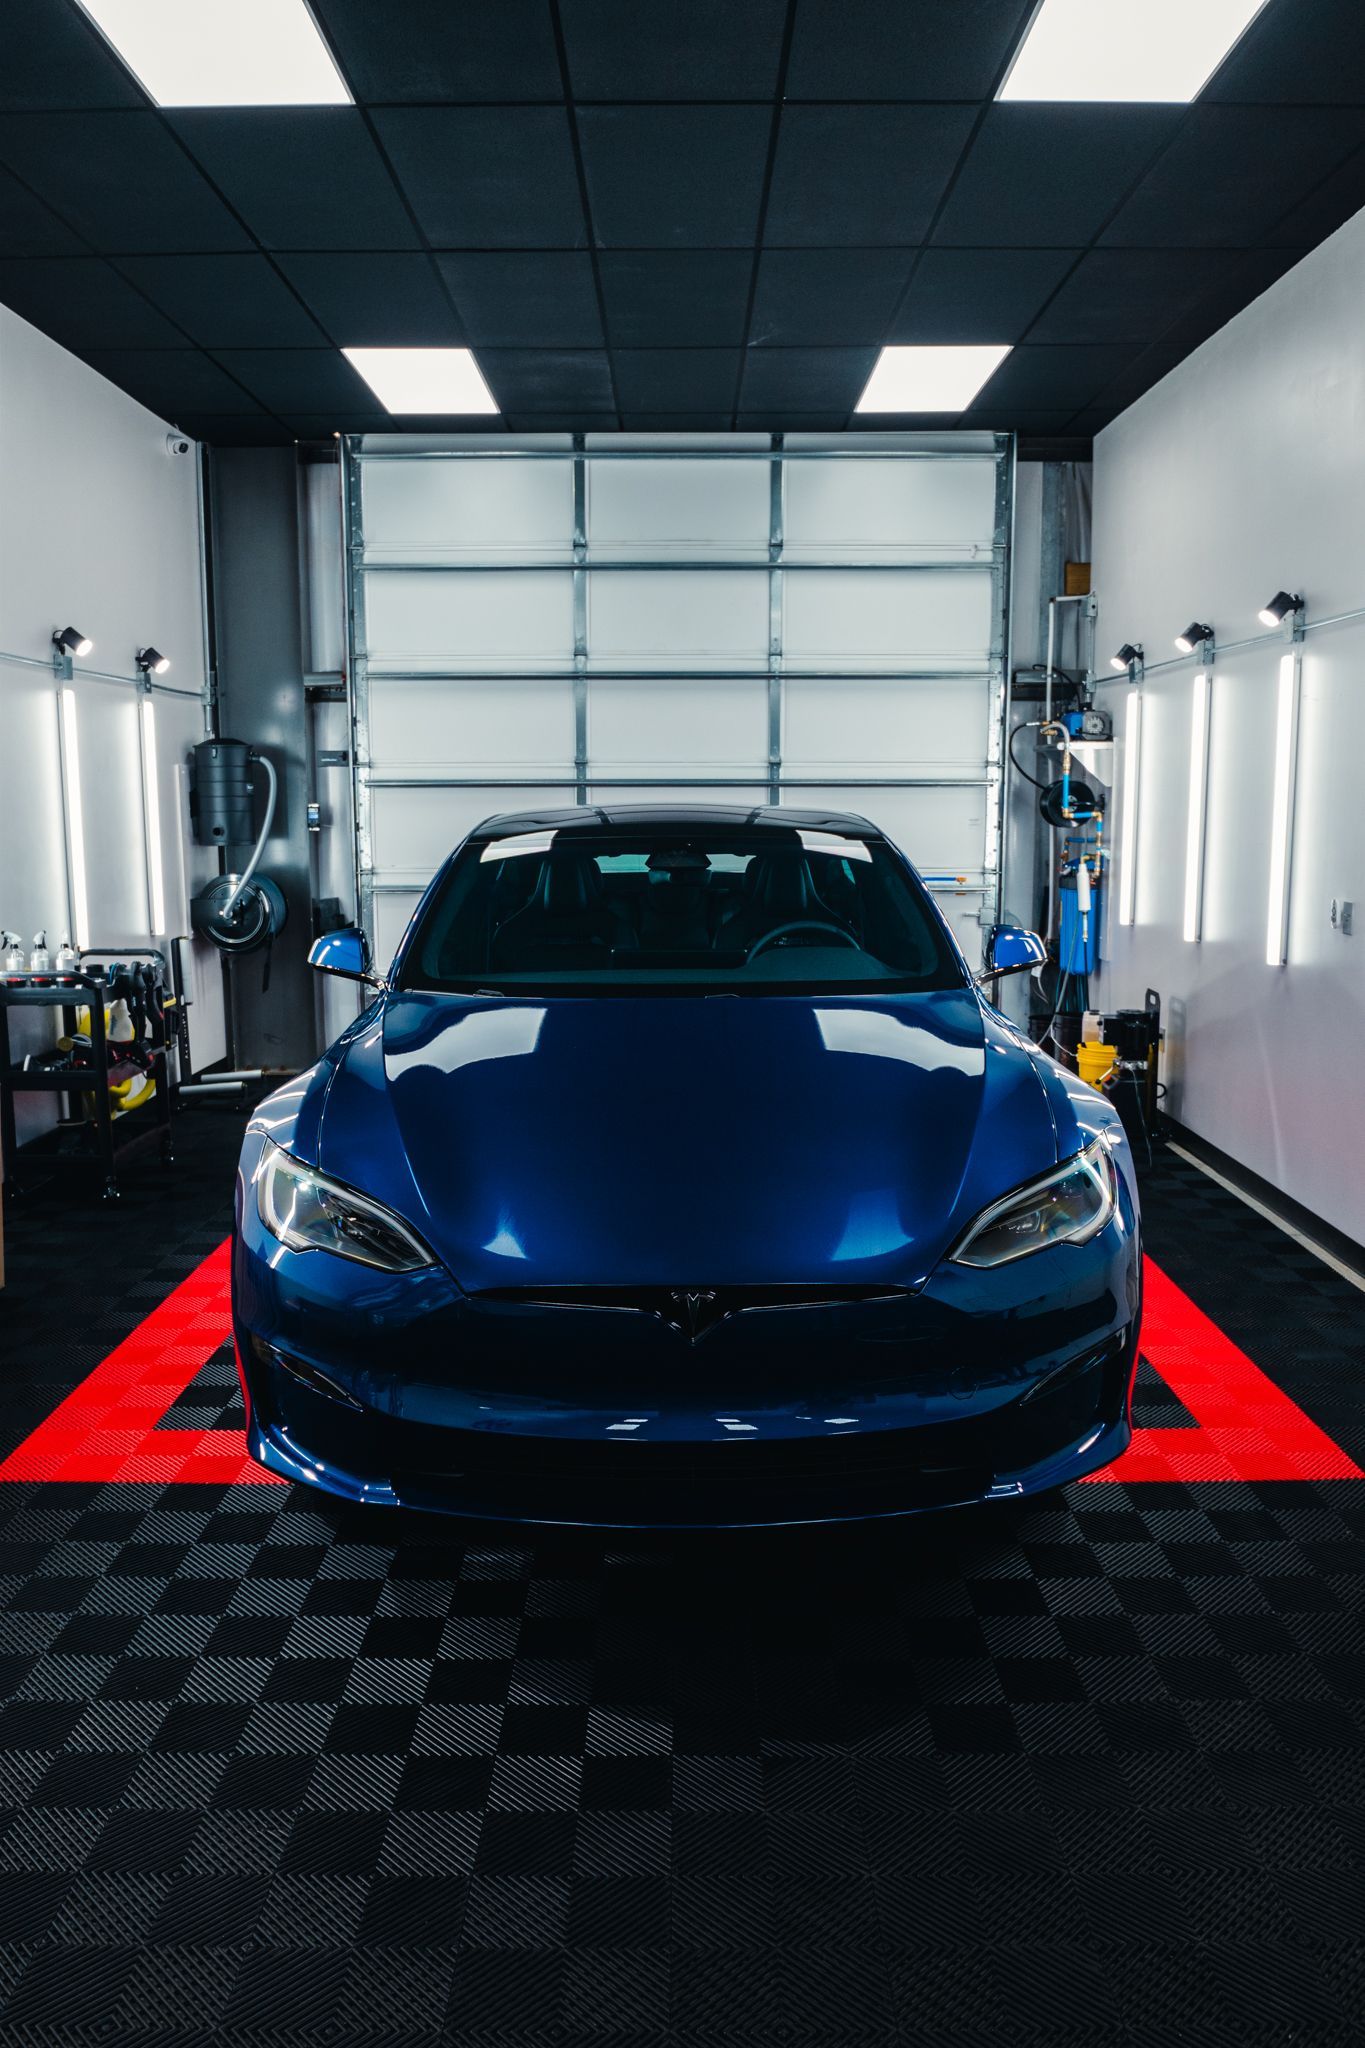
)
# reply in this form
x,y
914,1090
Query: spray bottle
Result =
x,y
13,966
68,961
40,959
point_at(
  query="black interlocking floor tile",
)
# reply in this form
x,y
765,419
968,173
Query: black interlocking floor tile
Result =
x,y
277,1772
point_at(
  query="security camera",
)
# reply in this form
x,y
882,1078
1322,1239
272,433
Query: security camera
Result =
x,y
176,444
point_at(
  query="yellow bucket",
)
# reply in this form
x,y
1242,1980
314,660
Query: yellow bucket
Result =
x,y
1094,1061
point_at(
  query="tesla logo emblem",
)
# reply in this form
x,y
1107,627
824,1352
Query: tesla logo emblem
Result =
x,y
695,1309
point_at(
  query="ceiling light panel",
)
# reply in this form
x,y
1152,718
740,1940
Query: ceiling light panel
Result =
x,y
1125,49
222,53
930,379
423,380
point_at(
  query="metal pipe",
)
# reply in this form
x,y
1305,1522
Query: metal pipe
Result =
x,y
262,836
759,452
1273,636
211,1087
735,673
96,675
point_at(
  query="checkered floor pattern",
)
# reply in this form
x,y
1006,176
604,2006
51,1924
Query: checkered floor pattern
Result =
x,y
274,1772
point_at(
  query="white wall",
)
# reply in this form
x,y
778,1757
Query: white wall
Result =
x,y
1241,473
98,529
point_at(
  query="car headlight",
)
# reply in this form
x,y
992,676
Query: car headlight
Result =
x,y
309,1212
1070,1205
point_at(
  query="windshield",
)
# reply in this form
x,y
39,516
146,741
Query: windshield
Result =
x,y
634,911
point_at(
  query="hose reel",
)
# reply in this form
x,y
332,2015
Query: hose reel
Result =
x,y
237,913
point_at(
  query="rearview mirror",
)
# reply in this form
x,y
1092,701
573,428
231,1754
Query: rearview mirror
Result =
x,y
346,953
1013,951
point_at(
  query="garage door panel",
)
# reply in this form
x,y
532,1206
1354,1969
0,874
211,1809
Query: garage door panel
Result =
x,y
921,510
469,619
879,725
940,829
696,618
414,829
679,793
846,618
647,728
424,511
504,725
674,507
393,909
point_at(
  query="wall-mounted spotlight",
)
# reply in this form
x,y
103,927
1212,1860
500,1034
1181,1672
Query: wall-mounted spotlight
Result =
x,y
1125,658
151,662
1192,637
1281,607
69,640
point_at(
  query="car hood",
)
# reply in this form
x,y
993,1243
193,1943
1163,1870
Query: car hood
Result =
x,y
694,1141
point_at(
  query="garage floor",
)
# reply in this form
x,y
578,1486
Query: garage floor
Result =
x,y
275,1772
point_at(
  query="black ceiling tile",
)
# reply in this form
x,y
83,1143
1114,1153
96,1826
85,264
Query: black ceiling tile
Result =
x,y
301,177
827,297
805,379
791,421
659,50
1232,172
444,49
120,180
298,379
1253,272
548,379
676,422
1036,378
860,175
676,379
689,298
225,301
1049,176
235,430
487,177
675,177
1327,207
1144,368
1299,50
173,381
321,426
978,294
940,50
83,303
28,228
1129,294
1012,419
55,57
375,300
528,298
577,421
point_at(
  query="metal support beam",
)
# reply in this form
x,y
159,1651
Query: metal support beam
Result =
x,y
580,620
777,479
357,679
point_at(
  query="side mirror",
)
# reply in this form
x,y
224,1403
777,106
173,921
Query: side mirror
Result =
x,y
346,953
1013,951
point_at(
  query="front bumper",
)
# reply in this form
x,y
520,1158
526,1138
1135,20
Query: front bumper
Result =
x,y
401,1390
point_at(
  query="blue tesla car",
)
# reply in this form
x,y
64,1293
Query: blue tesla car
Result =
x,y
679,1172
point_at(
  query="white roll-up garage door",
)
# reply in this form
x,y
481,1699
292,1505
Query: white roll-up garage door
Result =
x,y
756,619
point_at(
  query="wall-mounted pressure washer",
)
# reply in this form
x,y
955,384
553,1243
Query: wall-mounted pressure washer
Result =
x,y
237,912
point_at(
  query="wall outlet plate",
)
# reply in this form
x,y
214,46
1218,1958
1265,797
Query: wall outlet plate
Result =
x,y
1343,915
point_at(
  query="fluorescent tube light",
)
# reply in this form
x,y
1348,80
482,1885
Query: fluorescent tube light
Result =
x,y
151,807
1125,49
222,53
1282,812
1198,805
423,379
930,379
75,821
1132,771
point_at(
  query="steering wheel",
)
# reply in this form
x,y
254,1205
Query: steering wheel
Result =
x,y
801,924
